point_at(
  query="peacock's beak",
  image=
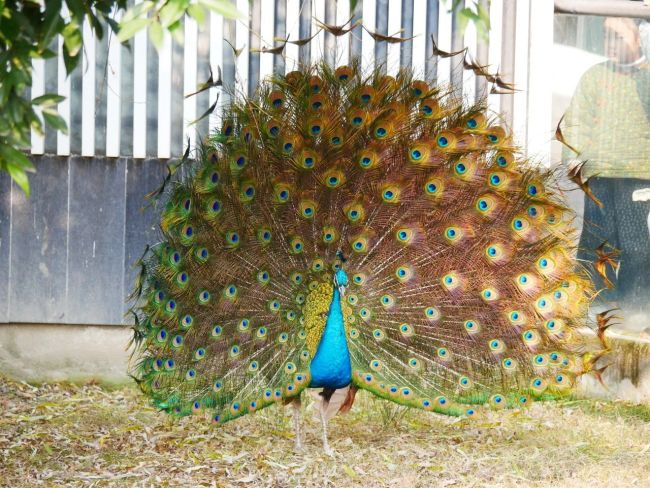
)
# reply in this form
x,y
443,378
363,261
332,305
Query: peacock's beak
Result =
x,y
342,290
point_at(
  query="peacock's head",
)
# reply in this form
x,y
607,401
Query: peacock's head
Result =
x,y
341,281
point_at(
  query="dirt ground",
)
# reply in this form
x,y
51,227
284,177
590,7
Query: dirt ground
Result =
x,y
67,435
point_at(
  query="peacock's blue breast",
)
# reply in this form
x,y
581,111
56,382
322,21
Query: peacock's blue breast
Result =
x,y
330,367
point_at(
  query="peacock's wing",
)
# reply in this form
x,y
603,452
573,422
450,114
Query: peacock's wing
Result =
x,y
463,282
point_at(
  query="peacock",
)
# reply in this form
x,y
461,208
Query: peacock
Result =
x,y
346,231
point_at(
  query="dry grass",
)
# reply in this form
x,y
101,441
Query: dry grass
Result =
x,y
65,435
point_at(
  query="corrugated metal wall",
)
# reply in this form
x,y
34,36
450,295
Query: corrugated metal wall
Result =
x,y
66,254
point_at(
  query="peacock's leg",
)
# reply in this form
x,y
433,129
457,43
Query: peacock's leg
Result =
x,y
326,447
297,421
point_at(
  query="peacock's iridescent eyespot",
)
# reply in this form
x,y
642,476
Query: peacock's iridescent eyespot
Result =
x,y
161,336
202,254
443,141
170,306
495,180
177,341
508,363
381,132
335,141
230,291
416,154
431,313
234,351
287,148
232,239
376,365
472,326
264,236
387,301
263,277
274,306
261,332
217,330
283,337
465,382
496,345
199,353
378,334
472,124
170,364
493,138
502,161
182,278
357,121
460,168
204,297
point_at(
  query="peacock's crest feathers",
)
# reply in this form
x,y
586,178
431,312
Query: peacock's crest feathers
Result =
x,y
463,285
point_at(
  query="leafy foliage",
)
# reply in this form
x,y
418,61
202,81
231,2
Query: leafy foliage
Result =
x,y
168,15
27,31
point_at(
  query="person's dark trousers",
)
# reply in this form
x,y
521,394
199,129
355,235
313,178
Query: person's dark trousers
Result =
x,y
623,223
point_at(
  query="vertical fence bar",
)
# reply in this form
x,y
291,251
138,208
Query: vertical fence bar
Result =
x,y
203,73
242,35
114,95
37,89
431,62
254,43
509,31
88,117
216,61
101,64
357,33
63,140
177,140
151,107
457,43
190,73
127,53
279,32
304,29
482,51
229,70
51,86
330,40
406,47
381,27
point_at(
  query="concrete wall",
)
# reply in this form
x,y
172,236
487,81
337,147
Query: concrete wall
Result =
x,y
38,352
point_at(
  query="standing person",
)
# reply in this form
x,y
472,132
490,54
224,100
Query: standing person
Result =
x,y
608,123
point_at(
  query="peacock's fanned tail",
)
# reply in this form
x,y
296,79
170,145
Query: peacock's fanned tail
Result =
x,y
464,288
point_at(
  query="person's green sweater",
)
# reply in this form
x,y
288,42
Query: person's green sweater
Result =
x,y
607,121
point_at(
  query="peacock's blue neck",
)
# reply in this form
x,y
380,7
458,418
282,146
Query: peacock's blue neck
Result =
x,y
330,367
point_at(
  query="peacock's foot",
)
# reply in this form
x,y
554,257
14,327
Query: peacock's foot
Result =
x,y
329,451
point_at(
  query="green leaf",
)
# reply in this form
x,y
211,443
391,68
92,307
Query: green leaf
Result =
x,y
177,32
138,11
223,7
197,12
353,5
48,100
19,176
173,11
72,38
54,120
156,35
16,158
131,28
71,62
